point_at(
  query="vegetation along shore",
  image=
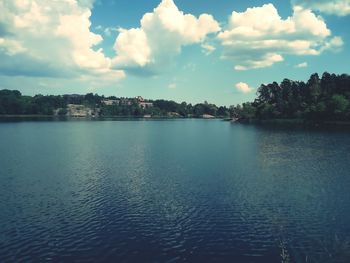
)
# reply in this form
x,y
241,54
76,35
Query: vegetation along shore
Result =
x,y
324,100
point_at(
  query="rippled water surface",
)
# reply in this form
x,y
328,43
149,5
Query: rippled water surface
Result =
x,y
172,191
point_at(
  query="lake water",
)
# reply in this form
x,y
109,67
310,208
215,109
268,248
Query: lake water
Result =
x,y
172,191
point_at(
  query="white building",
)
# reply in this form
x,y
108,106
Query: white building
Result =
x,y
143,103
110,102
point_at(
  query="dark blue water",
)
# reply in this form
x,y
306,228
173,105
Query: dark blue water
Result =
x,y
172,191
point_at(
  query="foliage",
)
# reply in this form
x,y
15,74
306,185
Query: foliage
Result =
x,y
326,98
13,103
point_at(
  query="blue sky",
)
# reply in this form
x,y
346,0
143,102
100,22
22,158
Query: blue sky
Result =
x,y
184,50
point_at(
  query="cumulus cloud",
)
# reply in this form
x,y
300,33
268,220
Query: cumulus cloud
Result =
x,y
243,87
160,37
40,38
259,37
301,65
334,7
51,39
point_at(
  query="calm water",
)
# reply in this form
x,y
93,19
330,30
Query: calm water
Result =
x,y
172,191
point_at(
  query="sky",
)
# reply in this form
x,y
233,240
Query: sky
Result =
x,y
184,50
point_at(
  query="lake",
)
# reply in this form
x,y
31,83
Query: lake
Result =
x,y
172,191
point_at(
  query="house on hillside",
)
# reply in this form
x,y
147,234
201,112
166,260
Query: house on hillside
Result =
x,y
109,102
143,103
125,102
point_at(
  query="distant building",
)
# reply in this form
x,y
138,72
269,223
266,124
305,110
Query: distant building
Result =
x,y
146,105
109,102
143,103
124,101
139,99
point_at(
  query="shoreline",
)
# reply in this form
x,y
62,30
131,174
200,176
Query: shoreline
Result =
x,y
296,122
270,122
103,117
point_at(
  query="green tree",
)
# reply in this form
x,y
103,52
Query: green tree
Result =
x,y
339,105
248,111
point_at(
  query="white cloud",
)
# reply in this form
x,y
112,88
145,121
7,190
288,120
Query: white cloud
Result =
x,y
301,65
133,48
172,86
335,44
243,87
11,47
99,28
263,61
207,49
109,30
334,7
52,39
259,37
160,37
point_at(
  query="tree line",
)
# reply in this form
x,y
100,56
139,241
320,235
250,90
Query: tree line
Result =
x,y
325,98
166,108
12,102
319,99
